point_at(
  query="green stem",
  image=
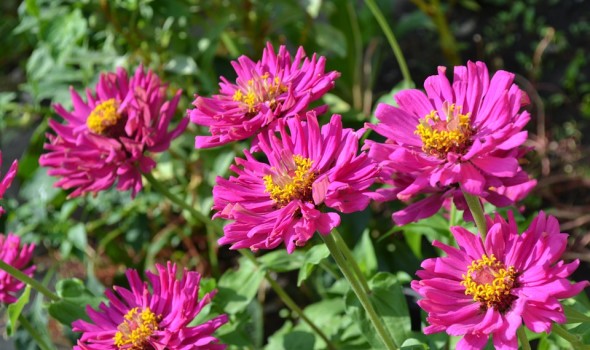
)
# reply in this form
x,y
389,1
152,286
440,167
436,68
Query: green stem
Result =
x,y
213,229
201,218
216,229
453,215
524,342
434,10
351,261
19,275
290,303
392,41
477,213
447,39
212,243
356,58
229,44
357,288
33,332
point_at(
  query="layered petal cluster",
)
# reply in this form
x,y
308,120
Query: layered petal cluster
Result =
x,y
461,136
278,200
156,318
277,86
109,137
7,180
17,256
493,287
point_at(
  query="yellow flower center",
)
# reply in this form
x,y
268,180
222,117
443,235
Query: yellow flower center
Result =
x,y
439,137
490,283
293,182
104,119
260,90
136,329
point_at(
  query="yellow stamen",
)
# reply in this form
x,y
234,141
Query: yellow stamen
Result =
x,y
295,183
136,329
104,117
490,282
259,90
440,137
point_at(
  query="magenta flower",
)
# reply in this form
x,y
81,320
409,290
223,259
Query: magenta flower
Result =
x,y
110,137
465,136
491,288
274,87
140,318
279,200
17,256
7,180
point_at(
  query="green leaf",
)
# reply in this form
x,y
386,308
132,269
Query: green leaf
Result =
x,y
281,261
15,309
63,34
219,164
245,329
577,337
413,344
574,316
327,315
292,340
236,288
67,312
336,104
435,227
77,235
32,8
276,341
364,254
75,296
311,259
389,302
388,98
182,65
40,62
313,7
331,39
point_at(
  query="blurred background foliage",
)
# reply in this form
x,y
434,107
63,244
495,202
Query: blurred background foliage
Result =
x,y
49,46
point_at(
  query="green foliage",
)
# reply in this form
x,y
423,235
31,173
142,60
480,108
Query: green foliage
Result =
x,y
387,297
15,310
237,287
312,258
75,297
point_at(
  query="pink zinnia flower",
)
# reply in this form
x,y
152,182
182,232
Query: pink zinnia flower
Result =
x,y
110,137
465,136
7,180
274,87
279,200
17,256
491,288
140,318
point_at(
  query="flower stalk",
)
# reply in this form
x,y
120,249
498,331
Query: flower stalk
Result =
x,y
478,215
216,229
399,56
201,219
565,334
34,333
343,248
19,275
288,301
349,273
524,342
